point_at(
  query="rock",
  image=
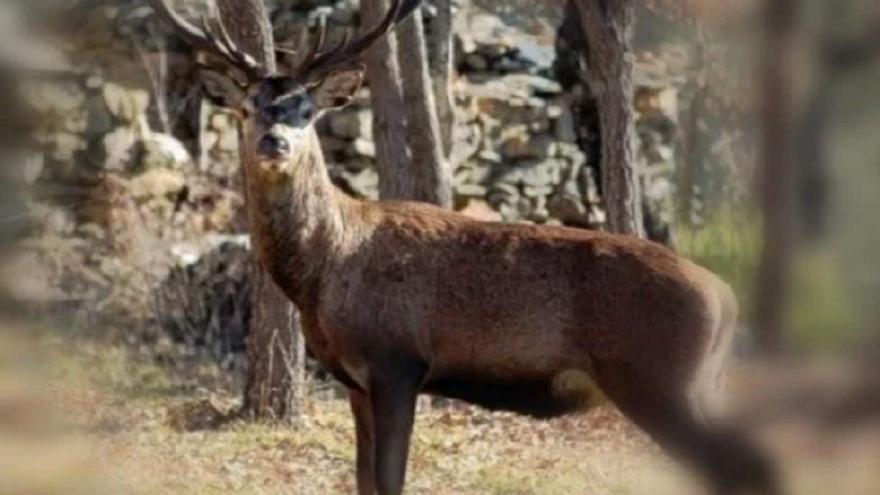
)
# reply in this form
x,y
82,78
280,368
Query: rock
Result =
x,y
364,147
229,141
156,183
333,145
539,212
222,122
479,209
126,104
364,183
54,98
471,190
117,149
523,146
564,128
352,124
32,166
476,62
538,56
60,222
358,164
537,191
65,145
163,151
99,120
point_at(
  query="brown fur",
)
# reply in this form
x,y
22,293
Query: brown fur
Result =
x,y
508,316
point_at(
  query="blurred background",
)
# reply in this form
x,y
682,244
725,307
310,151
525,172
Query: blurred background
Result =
x,y
126,281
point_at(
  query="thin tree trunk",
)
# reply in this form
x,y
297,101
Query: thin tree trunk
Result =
x,y
433,177
389,123
275,350
779,175
609,64
440,63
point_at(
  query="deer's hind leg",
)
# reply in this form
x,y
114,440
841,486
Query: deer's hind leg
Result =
x,y
727,461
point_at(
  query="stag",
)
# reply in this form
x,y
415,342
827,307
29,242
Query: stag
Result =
x,y
401,298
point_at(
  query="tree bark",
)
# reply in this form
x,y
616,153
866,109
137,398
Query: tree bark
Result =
x,y
429,165
440,65
778,173
389,122
275,350
607,27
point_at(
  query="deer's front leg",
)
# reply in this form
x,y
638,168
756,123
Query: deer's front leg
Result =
x,y
393,401
366,445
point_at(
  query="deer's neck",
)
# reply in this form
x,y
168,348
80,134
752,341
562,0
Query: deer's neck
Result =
x,y
301,225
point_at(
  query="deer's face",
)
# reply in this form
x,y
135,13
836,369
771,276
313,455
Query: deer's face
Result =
x,y
278,113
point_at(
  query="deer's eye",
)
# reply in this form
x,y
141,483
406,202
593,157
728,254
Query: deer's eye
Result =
x,y
275,113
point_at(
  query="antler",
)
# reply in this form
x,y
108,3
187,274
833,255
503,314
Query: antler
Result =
x,y
212,39
318,61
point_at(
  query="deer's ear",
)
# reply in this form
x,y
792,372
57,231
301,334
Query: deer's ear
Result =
x,y
222,89
338,88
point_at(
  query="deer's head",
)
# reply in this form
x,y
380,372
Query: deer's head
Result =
x,y
278,110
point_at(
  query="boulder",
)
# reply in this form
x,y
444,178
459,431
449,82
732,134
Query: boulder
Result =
x,y
126,104
163,151
352,123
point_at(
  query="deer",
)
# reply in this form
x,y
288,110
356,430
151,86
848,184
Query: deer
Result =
x,y
400,299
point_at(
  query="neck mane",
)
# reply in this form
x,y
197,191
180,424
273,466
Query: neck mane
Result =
x,y
302,224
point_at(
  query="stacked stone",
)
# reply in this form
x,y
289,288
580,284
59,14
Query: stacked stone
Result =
x,y
515,147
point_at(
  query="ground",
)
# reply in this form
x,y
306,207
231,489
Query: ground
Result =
x,y
80,415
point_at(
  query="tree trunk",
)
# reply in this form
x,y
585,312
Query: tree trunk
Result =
x,y
275,355
386,94
607,27
778,173
440,65
429,166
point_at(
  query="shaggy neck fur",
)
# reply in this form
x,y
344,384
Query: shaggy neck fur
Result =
x,y
300,222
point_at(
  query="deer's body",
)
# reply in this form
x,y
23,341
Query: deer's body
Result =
x,y
506,316
399,298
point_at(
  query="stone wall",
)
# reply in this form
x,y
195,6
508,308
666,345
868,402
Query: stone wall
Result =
x,y
515,146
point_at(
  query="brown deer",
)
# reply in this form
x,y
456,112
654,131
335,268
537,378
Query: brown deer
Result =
x,y
402,298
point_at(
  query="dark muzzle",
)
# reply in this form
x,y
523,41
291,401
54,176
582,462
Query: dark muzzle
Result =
x,y
273,147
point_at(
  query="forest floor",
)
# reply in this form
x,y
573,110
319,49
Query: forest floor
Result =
x,y
85,416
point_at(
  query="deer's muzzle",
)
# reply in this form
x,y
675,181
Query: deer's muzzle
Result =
x,y
273,147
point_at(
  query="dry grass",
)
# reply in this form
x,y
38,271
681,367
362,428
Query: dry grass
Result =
x,y
109,412
83,417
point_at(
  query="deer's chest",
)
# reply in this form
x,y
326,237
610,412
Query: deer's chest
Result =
x,y
330,351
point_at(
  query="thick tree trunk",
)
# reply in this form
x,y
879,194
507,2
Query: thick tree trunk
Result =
x,y
778,172
389,122
440,63
429,165
607,26
275,356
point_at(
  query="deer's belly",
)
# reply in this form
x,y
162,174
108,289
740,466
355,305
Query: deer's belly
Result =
x,y
546,397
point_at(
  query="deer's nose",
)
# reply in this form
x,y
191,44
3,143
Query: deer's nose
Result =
x,y
272,146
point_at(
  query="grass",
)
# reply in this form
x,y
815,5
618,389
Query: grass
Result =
x,y
78,416
112,404
730,246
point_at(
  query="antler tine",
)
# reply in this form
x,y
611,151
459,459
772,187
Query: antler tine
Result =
x,y
318,44
345,52
205,39
240,57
